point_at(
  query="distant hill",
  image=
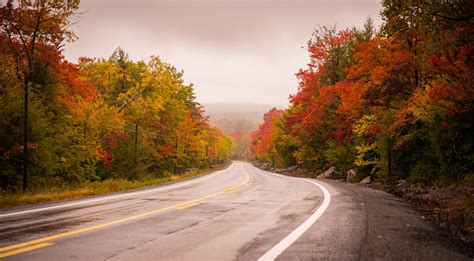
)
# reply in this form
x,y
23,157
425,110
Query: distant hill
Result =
x,y
231,117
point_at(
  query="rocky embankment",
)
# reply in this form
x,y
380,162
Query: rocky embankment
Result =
x,y
449,207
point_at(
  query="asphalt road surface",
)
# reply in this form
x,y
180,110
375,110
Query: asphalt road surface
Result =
x,y
240,213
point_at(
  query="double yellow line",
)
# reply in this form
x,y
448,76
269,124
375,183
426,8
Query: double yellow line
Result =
x,y
42,242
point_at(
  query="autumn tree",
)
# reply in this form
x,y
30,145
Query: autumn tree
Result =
x,y
262,139
438,36
31,31
100,119
393,103
165,128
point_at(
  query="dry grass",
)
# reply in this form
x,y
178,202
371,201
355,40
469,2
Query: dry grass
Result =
x,y
94,188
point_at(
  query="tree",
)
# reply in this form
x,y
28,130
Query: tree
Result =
x,y
262,139
29,29
397,103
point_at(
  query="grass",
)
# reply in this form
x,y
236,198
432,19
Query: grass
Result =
x,y
95,188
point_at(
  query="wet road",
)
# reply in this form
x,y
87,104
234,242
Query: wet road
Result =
x,y
240,213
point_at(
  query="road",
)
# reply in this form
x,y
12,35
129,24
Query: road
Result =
x,y
240,213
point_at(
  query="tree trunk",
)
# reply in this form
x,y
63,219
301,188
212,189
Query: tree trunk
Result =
x,y
136,144
176,156
389,158
25,136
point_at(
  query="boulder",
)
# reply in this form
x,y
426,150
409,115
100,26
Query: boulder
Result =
x,y
336,175
401,187
401,183
365,181
330,169
332,173
351,175
317,174
266,166
293,168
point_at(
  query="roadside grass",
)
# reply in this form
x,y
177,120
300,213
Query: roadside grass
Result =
x,y
96,188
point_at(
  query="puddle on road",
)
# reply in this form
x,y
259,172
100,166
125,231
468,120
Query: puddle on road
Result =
x,y
46,213
12,237
34,225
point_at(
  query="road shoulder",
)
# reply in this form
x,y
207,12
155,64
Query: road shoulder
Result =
x,y
364,223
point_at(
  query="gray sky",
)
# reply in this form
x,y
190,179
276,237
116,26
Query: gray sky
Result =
x,y
233,51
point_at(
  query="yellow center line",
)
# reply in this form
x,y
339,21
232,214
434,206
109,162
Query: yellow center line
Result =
x,y
189,205
25,249
146,214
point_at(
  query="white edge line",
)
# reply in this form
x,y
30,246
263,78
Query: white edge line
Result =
x,y
112,197
276,250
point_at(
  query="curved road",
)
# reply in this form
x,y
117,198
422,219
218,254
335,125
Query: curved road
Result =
x,y
240,213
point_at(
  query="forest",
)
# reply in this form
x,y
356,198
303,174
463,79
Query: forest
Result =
x,y
393,101
95,120
237,120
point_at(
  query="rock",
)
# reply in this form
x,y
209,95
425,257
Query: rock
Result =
x,y
401,187
427,197
337,175
287,171
332,173
365,181
330,169
317,174
402,183
351,175
293,168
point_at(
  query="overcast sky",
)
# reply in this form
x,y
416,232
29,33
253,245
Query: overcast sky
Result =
x,y
232,51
